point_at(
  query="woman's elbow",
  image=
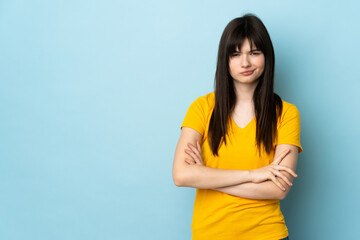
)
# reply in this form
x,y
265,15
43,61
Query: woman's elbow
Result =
x,y
178,179
282,194
182,174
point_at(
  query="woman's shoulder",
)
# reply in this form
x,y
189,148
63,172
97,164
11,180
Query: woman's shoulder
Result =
x,y
210,98
289,109
207,101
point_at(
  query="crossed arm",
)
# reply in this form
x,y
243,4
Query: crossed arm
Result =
x,y
234,182
267,189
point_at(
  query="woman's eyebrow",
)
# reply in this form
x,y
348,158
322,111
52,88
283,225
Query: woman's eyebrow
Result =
x,y
253,50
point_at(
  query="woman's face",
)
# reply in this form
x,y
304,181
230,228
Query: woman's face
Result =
x,y
246,65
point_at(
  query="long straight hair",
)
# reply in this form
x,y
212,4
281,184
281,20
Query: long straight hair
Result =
x,y
268,105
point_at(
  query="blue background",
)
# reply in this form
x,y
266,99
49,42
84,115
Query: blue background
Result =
x,y
93,93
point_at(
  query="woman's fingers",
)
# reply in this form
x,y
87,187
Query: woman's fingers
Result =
x,y
281,157
195,150
195,153
199,149
273,178
289,170
190,161
279,174
192,154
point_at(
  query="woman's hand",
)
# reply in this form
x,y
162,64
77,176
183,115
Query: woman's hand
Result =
x,y
270,172
195,153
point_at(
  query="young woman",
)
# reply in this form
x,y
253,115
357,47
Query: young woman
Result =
x,y
239,144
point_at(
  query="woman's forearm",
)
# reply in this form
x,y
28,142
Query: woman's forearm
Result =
x,y
260,191
200,176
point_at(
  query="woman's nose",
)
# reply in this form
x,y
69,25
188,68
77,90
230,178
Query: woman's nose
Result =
x,y
245,61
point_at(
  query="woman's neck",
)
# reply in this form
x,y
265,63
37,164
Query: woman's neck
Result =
x,y
244,93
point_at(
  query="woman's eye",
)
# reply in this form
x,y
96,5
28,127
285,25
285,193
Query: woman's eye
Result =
x,y
235,54
255,53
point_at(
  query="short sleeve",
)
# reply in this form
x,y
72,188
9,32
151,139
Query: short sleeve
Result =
x,y
289,129
195,116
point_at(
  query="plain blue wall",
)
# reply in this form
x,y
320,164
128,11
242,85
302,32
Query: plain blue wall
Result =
x,y
92,95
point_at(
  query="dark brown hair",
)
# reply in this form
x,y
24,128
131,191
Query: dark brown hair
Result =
x,y
268,105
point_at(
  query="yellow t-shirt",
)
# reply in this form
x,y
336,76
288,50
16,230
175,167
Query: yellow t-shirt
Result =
x,y
218,215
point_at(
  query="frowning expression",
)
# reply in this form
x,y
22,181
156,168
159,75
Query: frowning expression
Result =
x,y
246,65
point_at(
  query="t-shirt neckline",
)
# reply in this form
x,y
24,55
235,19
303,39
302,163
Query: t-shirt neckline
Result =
x,y
247,125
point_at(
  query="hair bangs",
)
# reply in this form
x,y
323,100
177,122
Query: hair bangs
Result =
x,y
236,40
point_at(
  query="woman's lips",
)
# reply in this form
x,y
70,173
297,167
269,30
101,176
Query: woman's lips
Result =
x,y
247,73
